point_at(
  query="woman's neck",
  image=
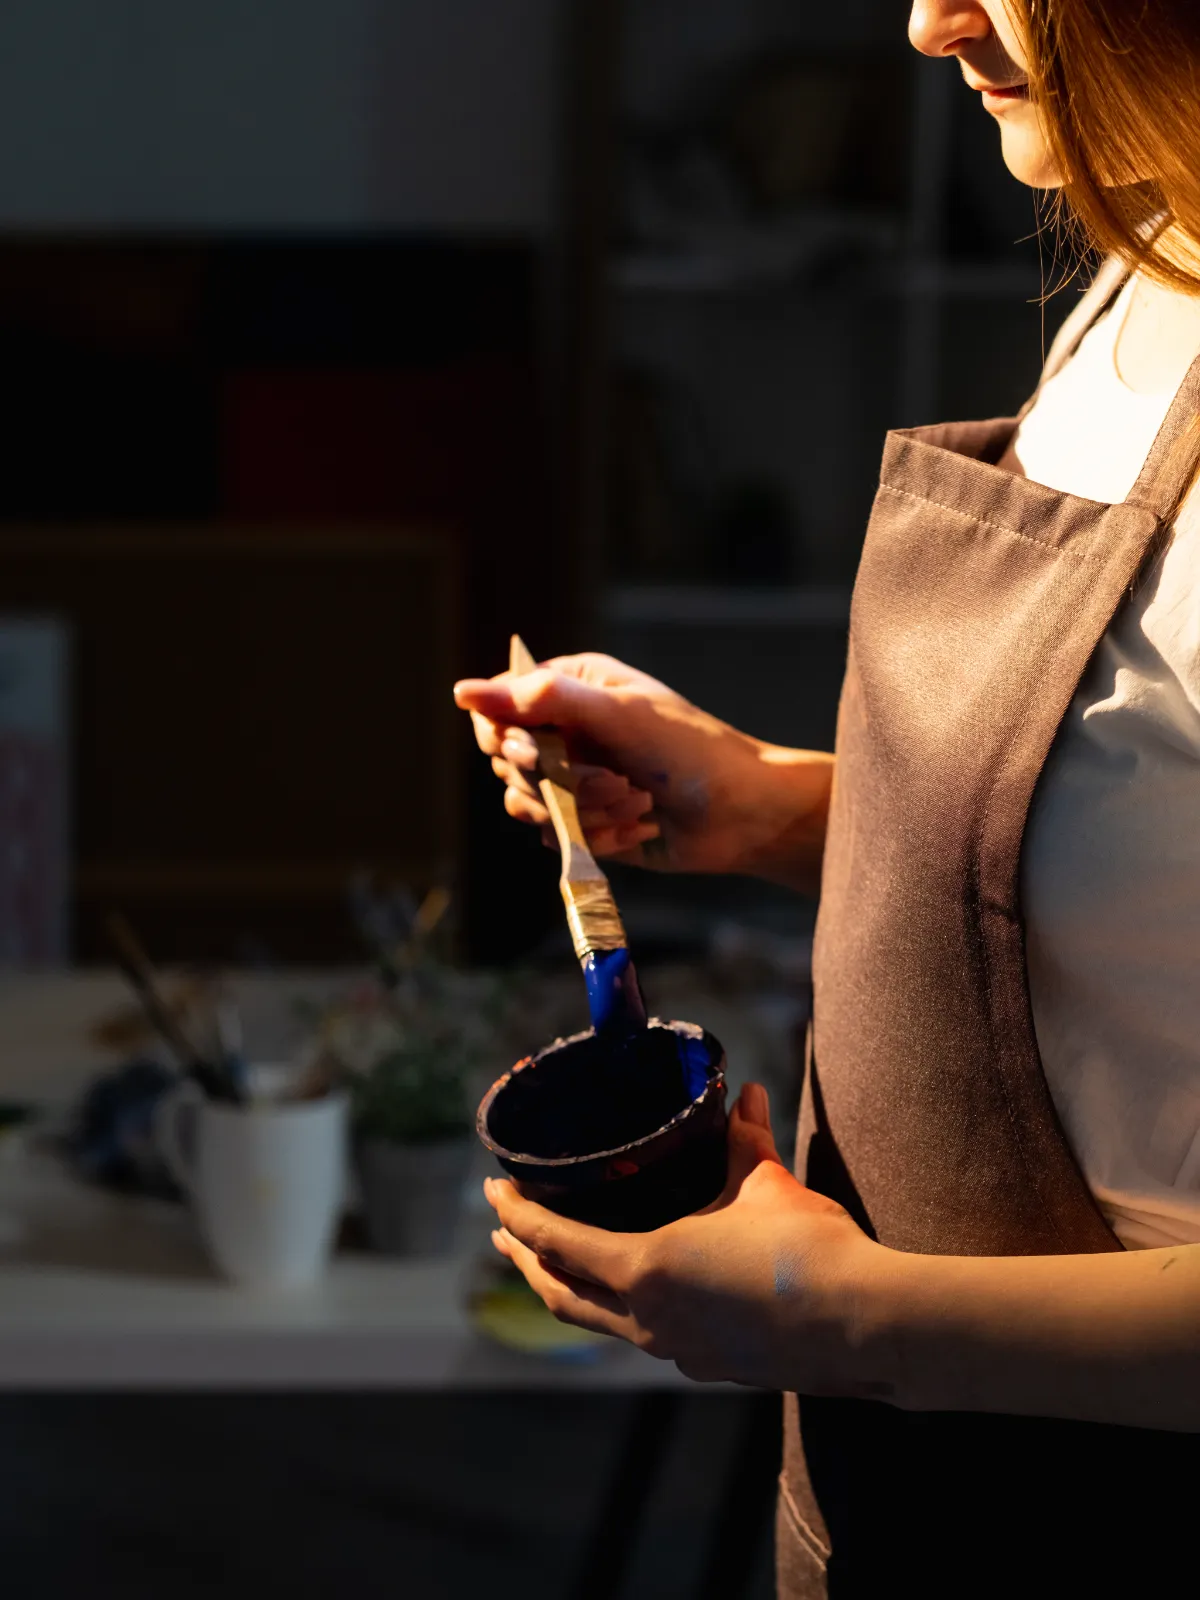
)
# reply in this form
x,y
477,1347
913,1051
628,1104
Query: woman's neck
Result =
x,y
1159,338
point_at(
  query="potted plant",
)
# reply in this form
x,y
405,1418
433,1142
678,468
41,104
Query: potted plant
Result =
x,y
413,1043
413,1143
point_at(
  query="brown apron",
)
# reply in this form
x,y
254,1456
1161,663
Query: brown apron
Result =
x,y
980,599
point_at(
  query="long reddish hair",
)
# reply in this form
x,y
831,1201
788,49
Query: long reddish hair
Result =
x,y
1118,87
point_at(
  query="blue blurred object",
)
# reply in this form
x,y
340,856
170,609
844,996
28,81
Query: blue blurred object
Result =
x,y
112,1140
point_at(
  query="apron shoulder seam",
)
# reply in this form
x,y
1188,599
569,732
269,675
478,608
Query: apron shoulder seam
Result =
x,y
987,522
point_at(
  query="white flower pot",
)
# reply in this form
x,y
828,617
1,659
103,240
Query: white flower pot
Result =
x,y
412,1194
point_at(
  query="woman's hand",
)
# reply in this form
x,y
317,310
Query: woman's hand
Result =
x,y
759,1289
777,1287
659,782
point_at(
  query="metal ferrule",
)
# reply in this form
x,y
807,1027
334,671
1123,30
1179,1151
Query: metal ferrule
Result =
x,y
592,917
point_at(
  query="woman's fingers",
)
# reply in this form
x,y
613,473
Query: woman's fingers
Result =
x,y
612,844
534,699
608,843
599,786
522,808
614,815
594,787
512,777
488,735
607,832
751,1141
561,1244
572,1300
623,813
518,748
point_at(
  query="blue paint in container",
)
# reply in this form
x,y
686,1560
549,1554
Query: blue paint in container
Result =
x,y
627,1136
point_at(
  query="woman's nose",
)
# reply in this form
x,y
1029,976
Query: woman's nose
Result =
x,y
945,27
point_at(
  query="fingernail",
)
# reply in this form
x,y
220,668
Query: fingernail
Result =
x,y
518,750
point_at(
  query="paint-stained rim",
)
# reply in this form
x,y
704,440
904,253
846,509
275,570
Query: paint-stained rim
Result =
x,y
715,1084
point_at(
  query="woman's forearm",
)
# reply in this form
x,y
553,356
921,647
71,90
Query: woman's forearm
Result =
x,y
792,793
1097,1338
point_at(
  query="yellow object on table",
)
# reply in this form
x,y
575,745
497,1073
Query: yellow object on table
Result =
x,y
507,1310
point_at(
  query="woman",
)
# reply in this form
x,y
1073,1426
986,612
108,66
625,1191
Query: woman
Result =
x,y
985,1280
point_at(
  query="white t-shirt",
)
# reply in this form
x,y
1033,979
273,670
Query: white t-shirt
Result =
x,y
1111,864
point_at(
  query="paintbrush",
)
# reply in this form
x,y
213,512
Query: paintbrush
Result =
x,y
614,996
143,980
231,1049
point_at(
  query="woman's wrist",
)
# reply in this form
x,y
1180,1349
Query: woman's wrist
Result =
x,y
792,793
864,1309
883,1325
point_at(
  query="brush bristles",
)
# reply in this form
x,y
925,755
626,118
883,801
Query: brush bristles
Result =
x,y
592,916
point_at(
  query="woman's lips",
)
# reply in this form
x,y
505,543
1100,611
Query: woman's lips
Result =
x,y
999,99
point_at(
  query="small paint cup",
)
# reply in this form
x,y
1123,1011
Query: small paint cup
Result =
x,y
627,1140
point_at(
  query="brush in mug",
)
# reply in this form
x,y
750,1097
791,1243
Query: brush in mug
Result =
x,y
394,928
231,1051
215,1078
615,1001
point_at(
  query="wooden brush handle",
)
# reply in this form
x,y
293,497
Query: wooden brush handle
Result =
x,y
556,782
592,913
142,979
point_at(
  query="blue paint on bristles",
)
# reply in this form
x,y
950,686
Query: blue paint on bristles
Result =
x,y
614,995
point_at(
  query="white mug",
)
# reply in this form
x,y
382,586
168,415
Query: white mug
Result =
x,y
266,1181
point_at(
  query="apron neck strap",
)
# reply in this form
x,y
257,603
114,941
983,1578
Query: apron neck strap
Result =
x,y
1172,466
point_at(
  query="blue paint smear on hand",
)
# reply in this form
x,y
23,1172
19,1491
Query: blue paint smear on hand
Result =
x,y
787,1275
614,995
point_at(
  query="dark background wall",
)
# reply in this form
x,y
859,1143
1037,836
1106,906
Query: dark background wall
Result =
x,y
370,266
270,269
328,359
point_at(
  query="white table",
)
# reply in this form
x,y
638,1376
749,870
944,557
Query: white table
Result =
x,y
98,1291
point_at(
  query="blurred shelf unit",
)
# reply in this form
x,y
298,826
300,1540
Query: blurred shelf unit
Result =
x,y
797,235
751,257
246,700
710,607
270,485
967,280
795,261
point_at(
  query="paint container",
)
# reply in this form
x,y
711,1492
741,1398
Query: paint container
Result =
x,y
628,1139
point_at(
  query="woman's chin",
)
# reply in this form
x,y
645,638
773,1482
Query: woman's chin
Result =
x,y
1026,154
